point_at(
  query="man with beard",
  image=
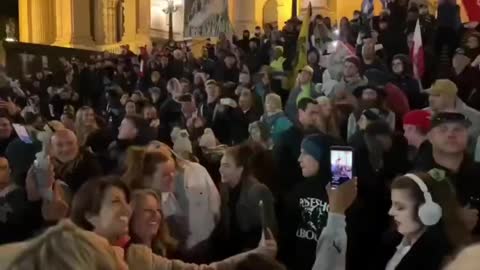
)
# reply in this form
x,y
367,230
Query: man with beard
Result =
x,y
369,97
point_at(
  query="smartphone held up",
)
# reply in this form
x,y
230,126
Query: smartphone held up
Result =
x,y
341,165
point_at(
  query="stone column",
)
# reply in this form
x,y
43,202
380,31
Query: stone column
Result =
x,y
73,23
130,22
36,24
110,19
244,15
80,23
24,24
143,19
105,21
62,22
99,21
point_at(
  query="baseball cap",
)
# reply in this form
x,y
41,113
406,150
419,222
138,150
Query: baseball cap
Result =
x,y
443,87
307,68
450,117
211,82
421,119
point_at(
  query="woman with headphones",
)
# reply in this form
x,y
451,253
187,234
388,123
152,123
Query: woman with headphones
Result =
x,y
428,226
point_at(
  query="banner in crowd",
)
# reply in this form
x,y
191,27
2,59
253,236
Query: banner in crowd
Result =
x,y
473,9
206,18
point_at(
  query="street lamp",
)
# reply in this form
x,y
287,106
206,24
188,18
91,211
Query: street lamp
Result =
x,y
169,10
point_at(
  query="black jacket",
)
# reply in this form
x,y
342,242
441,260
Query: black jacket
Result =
x,y
368,216
302,219
285,153
241,223
84,168
428,253
465,181
304,213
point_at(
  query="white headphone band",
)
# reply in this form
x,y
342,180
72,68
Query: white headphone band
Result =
x,y
421,184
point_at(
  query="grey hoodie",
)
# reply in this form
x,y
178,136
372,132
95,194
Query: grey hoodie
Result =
x,y
332,245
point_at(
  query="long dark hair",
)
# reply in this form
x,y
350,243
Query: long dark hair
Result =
x,y
443,194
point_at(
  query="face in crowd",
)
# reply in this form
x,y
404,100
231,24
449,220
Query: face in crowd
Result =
x,y
404,212
439,102
146,215
64,145
305,77
397,67
449,138
5,128
308,164
87,116
130,108
127,130
150,113
230,171
308,117
349,69
112,216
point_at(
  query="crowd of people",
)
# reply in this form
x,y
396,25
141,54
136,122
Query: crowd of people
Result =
x,y
165,160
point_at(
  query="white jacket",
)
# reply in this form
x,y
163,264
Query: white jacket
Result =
x,y
203,202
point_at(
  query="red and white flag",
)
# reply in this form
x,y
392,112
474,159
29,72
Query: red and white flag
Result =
x,y
417,53
473,9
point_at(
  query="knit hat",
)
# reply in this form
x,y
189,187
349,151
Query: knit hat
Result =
x,y
378,89
313,145
443,87
356,61
308,69
421,119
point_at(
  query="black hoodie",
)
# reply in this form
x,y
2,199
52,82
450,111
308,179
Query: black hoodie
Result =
x,y
305,215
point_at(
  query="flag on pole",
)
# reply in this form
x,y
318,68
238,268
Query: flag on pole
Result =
x,y
417,53
473,9
367,8
302,45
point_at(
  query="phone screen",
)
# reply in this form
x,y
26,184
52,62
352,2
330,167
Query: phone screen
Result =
x,y
341,164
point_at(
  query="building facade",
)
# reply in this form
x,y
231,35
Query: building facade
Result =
x,y
107,24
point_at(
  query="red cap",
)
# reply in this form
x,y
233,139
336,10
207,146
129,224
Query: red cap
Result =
x,y
418,118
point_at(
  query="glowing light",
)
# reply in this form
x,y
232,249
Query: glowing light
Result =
x,y
10,39
336,32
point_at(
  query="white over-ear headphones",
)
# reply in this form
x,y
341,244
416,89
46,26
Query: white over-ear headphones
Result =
x,y
429,212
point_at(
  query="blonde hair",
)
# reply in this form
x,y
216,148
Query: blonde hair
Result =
x,y
163,243
81,129
64,246
275,99
141,162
